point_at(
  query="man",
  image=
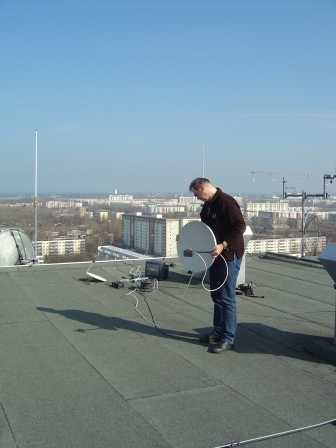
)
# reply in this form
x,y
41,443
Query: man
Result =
x,y
222,214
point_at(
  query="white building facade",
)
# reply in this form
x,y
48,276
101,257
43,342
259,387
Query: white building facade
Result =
x,y
252,208
286,245
60,247
120,199
152,235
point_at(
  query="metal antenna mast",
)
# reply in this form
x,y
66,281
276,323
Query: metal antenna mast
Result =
x,y
203,161
35,198
283,180
327,179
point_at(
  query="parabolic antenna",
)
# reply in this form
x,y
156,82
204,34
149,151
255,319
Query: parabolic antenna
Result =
x,y
94,276
196,237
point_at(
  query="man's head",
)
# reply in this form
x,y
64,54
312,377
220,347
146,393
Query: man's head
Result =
x,y
202,189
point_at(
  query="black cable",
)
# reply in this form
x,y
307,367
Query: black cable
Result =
x,y
158,328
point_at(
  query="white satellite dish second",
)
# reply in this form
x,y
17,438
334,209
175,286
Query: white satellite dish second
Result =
x,y
196,241
94,276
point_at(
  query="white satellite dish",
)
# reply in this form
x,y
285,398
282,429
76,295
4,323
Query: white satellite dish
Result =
x,y
94,276
196,238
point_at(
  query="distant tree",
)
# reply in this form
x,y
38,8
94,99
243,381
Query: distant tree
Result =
x,y
91,246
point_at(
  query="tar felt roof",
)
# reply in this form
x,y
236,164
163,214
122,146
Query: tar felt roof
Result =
x,y
83,365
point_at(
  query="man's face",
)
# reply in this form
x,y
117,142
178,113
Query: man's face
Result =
x,y
200,193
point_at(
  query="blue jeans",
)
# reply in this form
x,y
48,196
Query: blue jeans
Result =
x,y
225,307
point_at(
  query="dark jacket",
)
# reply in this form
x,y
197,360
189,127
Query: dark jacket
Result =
x,y
224,217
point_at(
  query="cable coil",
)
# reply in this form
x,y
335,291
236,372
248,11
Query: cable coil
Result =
x,y
147,285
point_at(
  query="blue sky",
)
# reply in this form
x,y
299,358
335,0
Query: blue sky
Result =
x,y
125,93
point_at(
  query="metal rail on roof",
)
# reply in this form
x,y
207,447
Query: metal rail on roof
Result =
x,y
280,434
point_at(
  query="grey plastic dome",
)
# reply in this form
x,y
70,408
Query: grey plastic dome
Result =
x,y
15,247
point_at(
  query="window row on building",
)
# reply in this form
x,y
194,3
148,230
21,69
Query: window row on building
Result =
x,y
152,235
60,247
286,245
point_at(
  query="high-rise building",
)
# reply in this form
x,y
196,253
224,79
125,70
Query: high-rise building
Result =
x,y
150,234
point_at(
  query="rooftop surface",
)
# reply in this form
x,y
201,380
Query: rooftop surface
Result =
x,y
82,364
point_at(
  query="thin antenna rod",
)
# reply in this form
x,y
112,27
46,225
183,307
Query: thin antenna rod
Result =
x,y
203,161
35,198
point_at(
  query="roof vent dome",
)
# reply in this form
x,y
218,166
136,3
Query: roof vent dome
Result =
x,y
15,247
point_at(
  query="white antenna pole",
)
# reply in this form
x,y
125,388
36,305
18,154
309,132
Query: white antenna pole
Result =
x,y
203,161
35,198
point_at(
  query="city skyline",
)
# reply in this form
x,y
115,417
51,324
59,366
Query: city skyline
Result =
x,y
130,95
87,194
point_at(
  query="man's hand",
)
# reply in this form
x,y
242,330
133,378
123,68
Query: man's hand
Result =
x,y
217,250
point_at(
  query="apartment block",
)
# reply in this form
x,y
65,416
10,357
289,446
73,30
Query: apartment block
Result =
x,y
60,247
252,208
120,198
286,245
60,204
102,215
150,234
184,221
188,200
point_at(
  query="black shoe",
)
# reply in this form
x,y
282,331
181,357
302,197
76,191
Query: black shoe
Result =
x,y
209,339
222,347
